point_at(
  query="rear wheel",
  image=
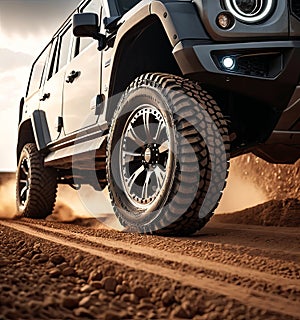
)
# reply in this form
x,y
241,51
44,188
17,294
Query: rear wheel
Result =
x,y
159,155
36,185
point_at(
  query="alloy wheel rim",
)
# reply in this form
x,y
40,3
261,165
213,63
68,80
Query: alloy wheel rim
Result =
x,y
145,156
24,181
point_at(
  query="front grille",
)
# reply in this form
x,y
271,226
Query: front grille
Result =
x,y
295,6
257,66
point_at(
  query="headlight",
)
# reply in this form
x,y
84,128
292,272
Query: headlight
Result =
x,y
250,11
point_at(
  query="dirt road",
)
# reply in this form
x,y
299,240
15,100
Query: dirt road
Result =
x,y
55,270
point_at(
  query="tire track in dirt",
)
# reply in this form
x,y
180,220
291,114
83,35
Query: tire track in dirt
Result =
x,y
150,262
179,258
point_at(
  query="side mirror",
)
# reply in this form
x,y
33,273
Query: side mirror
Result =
x,y
87,25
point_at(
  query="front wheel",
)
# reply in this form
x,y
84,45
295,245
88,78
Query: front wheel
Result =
x,y
159,156
36,185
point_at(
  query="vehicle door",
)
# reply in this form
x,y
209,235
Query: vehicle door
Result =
x,y
82,82
52,97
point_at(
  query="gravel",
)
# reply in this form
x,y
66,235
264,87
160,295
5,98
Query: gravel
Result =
x,y
43,280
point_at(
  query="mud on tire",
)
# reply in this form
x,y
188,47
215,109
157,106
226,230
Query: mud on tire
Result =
x,y
172,201
36,185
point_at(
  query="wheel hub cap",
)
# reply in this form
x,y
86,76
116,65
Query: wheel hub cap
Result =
x,y
147,155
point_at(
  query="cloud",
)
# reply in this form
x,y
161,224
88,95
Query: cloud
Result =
x,y
26,26
13,85
11,60
25,17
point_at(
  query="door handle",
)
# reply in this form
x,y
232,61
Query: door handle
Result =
x,y
72,76
45,97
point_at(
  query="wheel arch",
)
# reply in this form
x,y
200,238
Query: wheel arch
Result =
x,y
145,43
25,135
34,130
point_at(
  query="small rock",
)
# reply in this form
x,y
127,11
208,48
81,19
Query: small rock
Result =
x,y
85,302
109,283
112,315
23,252
103,297
29,254
189,308
43,279
140,292
179,312
146,300
78,258
54,273
70,303
167,298
86,288
63,265
49,264
96,284
40,258
57,259
95,293
152,315
83,312
5,288
145,306
125,297
95,276
34,305
37,246
68,271
117,305
119,278
20,243
133,298
49,301
120,289
4,262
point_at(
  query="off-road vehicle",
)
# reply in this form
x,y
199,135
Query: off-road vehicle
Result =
x,y
150,98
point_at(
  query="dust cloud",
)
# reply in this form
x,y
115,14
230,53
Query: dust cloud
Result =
x,y
7,197
68,206
253,181
240,193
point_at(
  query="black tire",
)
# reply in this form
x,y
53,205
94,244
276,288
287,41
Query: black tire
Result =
x,y
36,185
178,205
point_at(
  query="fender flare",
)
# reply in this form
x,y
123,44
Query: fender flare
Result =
x,y
40,129
180,21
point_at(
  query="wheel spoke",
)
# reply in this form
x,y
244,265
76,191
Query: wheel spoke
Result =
x,y
160,175
25,170
159,130
23,191
146,119
146,184
164,147
131,134
134,176
131,155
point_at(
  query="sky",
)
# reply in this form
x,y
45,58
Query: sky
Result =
x,y
26,26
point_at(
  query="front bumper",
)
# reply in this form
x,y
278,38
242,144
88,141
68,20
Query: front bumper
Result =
x,y
268,72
